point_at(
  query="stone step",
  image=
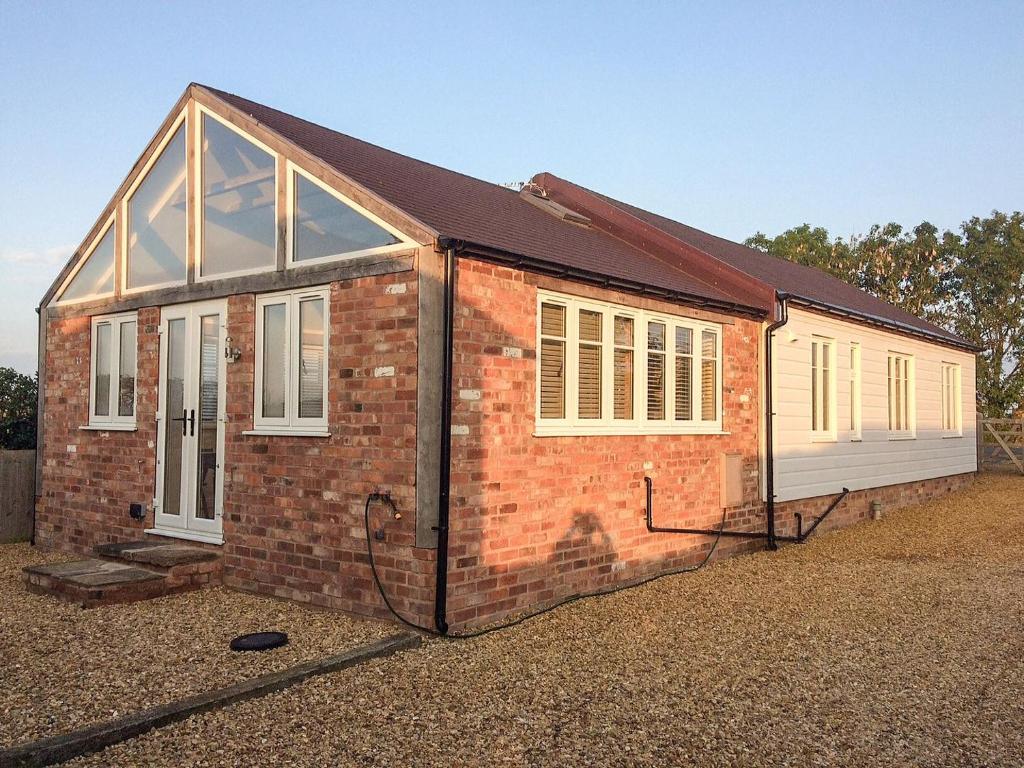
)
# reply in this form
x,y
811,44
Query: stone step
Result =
x,y
95,582
125,573
170,559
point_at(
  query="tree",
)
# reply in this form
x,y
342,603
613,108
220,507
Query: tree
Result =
x,y
810,246
906,269
17,410
986,285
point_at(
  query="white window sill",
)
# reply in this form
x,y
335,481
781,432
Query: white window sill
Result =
x,y
206,538
952,436
286,433
614,431
902,437
857,439
109,427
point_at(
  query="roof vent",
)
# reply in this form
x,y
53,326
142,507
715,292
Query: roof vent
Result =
x,y
535,196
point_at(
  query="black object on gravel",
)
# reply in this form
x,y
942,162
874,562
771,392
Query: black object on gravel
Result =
x,y
259,641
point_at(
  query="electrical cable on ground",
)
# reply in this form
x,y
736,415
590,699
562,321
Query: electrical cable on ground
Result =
x,y
386,499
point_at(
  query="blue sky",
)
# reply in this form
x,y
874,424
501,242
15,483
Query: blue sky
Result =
x,y
732,117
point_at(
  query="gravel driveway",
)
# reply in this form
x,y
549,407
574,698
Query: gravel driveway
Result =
x,y
897,643
62,667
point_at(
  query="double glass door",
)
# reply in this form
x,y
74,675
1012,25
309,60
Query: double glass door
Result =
x,y
190,435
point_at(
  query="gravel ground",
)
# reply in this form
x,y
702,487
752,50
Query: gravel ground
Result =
x,y
897,643
62,667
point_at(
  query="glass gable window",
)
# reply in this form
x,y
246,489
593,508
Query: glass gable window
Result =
x,y
113,369
239,227
323,226
609,369
157,221
291,361
95,278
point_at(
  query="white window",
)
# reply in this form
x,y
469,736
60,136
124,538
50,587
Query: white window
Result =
x,y
823,389
156,219
901,395
237,211
291,361
112,371
608,369
325,226
855,392
952,411
93,277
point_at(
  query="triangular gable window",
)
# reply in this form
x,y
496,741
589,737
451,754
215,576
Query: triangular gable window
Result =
x,y
324,226
95,278
239,227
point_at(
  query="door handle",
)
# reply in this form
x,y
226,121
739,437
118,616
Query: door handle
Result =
x,y
184,422
188,423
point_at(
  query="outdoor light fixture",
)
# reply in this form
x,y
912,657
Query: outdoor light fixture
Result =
x,y
231,354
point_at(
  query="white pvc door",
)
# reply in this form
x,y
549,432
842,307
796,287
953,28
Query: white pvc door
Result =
x,y
190,421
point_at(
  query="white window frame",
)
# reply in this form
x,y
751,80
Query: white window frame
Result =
x,y
909,399
122,246
290,170
112,421
290,423
639,424
818,392
107,227
856,392
197,174
950,385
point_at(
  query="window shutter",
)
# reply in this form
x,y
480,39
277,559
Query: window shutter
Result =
x,y
590,365
684,374
623,384
709,375
552,362
655,370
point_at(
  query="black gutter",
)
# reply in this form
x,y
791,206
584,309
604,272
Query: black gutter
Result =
x,y
652,528
769,420
444,488
539,266
881,322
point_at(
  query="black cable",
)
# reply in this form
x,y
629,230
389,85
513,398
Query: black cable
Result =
x,y
386,498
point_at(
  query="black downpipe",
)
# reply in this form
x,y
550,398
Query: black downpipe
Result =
x,y
652,528
769,420
444,490
801,534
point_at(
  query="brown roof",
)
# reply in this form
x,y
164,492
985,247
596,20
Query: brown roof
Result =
x,y
463,208
787,276
480,213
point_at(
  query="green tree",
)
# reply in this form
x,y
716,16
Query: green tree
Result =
x,y
810,246
17,410
986,289
905,268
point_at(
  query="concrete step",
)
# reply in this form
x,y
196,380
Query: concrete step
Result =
x,y
126,573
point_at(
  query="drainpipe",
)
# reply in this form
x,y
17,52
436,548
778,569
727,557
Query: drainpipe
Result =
x,y
769,418
444,487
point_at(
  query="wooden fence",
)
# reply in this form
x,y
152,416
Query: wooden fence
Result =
x,y
1001,445
17,494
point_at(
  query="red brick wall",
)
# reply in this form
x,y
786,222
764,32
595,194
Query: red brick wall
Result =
x,y
535,519
90,478
293,512
857,504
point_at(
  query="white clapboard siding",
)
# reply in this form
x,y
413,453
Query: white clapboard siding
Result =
x,y
806,468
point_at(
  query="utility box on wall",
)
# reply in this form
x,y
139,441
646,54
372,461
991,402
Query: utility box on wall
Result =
x,y
732,479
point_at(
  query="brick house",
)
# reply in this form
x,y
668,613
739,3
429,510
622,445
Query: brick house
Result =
x,y
272,321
